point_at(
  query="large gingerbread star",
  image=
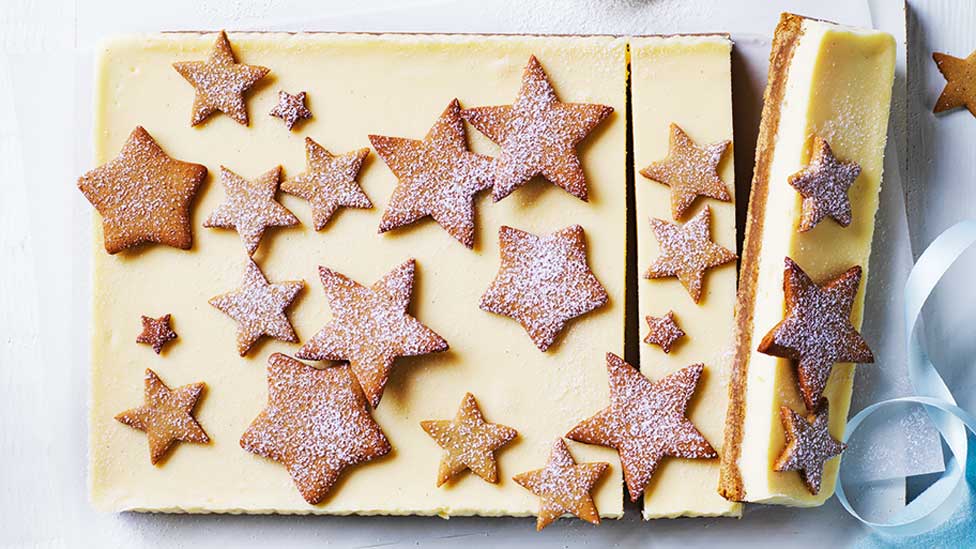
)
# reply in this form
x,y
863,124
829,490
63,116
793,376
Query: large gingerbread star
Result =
x,y
543,282
438,177
808,444
250,207
823,184
220,82
817,332
329,182
143,195
538,135
960,88
370,327
646,421
316,424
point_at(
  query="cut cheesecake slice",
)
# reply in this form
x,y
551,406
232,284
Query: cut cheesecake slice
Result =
x,y
830,82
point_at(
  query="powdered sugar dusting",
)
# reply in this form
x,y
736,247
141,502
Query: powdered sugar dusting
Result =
x,y
808,445
250,207
824,183
329,182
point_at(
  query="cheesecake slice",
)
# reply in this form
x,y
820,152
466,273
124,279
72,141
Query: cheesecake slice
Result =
x,y
830,83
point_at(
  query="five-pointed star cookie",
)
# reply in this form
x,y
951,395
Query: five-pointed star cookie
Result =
x,y
543,282
220,82
291,108
960,88
438,177
156,332
817,332
166,416
823,184
646,421
690,170
316,424
370,327
808,444
143,195
664,331
469,442
538,135
328,182
259,307
250,207
687,251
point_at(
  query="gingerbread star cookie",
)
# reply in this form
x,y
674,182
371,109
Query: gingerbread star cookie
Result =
x,y
817,332
960,88
220,82
291,108
543,282
687,251
664,331
166,416
250,207
328,182
259,308
563,486
316,424
143,195
438,177
690,170
823,184
646,421
808,444
370,327
538,135
156,332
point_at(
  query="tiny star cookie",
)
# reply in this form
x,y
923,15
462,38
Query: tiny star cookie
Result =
x,y
250,207
469,442
438,177
808,444
538,135
166,416
823,184
220,82
690,170
143,195
960,88
156,332
563,486
316,424
646,421
664,331
259,308
817,332
291,108
543,282
328,182
370,327
687,251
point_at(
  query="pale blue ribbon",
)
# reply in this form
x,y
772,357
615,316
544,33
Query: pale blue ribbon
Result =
x,y
938,502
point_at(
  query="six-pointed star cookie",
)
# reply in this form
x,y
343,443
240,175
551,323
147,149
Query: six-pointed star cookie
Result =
x,y
166,415
156,332
664,331
817,332
469,442
808,444
960,88
438,177
823,184
328,182
316,424
291,108
250,207
143,195
563,486
690,170
538,135
646,421
687,251
220,82
543,282
370,327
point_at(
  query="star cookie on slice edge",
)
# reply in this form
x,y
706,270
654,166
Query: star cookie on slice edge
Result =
x,y
824,184
370,327
143,195
808,444
469,442
537,135
250,207
156,332
328,182
166,416
563,486
316,423
664,331
646,421
960,88
291,109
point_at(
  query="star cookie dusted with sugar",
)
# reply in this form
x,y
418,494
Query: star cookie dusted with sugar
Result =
x,y
316,424
960,88
664,331
370,327
438,177
250,207
291,108
808,444
543,282
538,135
156,332
143,195
328,182
823,184
646,421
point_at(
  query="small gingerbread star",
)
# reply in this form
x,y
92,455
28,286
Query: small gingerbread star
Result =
x,y
328,182
960,88
250,207
156,332
664,331
291,108
808,444
823,184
